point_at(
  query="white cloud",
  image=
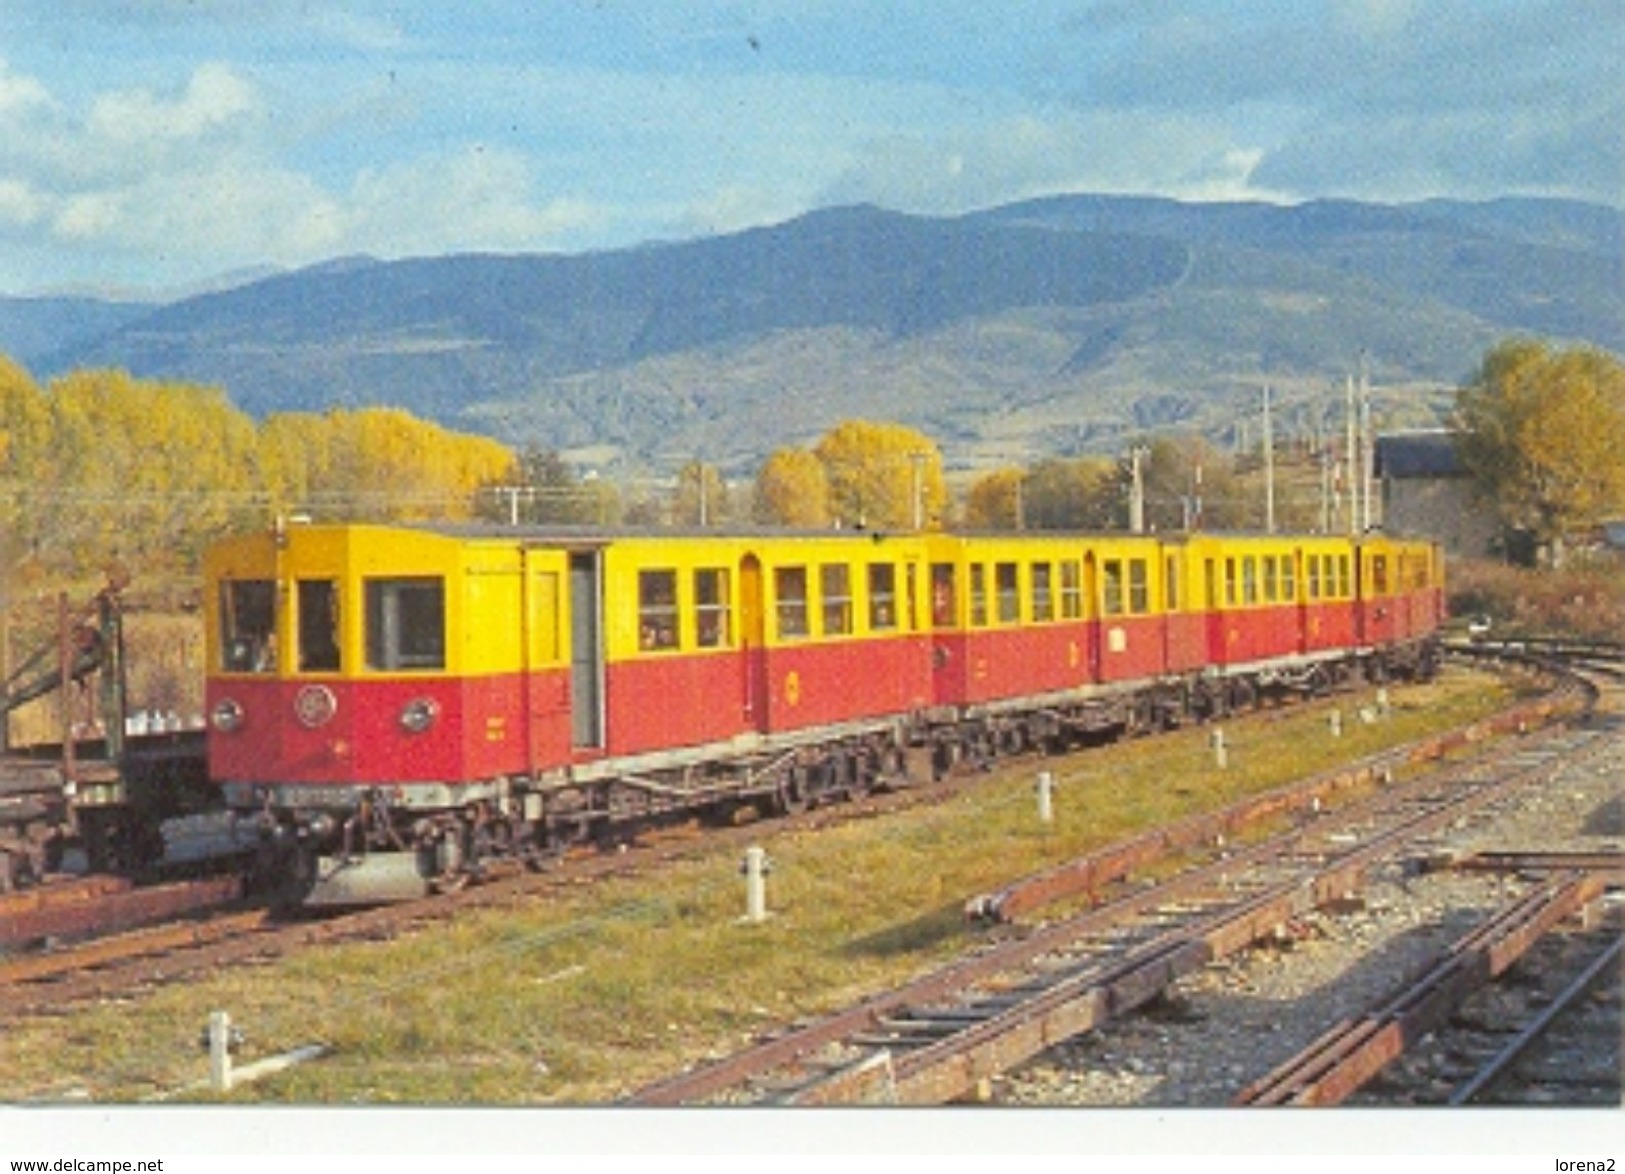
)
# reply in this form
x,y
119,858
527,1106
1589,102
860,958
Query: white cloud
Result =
x,y
735,207
1015,158
476,198
90,216
20,94
1374,18
20,204
215,97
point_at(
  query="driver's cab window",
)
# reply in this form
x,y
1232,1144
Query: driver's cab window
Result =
x,y
248,626
318,626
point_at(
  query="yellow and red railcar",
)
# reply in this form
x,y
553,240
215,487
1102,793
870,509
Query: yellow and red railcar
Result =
x,y
460,691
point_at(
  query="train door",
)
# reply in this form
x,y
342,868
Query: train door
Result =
x,y
1213,603
1301,599
1173,601
587,650
1091,594
543,695
753,639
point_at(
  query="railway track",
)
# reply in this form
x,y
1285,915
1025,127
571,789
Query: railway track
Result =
x,y
1331,1069
124,963
942,1037
1538,1056
97,906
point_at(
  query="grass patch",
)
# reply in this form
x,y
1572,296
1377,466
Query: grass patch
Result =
x,y
583,999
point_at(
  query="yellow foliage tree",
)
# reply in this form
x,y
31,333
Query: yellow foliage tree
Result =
x,y
994,501
25,446
883,476
140,467
791,490
1542,434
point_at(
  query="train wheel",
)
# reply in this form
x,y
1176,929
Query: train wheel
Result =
x,y
14,870
792,796
286,876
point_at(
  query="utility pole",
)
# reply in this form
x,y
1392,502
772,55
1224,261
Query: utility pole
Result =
x,y
1325,491
1269,466
1351,461
1369,449
1136,499
512,494
918,460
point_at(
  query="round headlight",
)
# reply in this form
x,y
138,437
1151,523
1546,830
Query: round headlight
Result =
x,y
226,715
315,706
419,715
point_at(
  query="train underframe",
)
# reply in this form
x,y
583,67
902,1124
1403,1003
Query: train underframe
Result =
x,y
362,845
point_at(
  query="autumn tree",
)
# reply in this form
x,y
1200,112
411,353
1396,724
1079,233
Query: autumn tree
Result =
x,y
1542,433
144,468
1191,484
882,476
791,490
385,464
541,488
1079,493
702,496
994,501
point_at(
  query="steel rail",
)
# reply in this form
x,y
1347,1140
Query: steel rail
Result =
x,y
1497,1064
1343,1059
981,1044
1089,874
108,908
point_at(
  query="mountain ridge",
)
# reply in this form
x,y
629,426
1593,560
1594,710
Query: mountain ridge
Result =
x,y
1056,325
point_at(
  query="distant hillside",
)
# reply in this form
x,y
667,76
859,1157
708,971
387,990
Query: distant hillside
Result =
x,y
1058,325
34,330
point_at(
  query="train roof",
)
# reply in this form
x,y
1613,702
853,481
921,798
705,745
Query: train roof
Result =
x,y
580,535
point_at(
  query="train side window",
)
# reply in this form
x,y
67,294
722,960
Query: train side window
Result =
x,y
1007,581
406,623
657,610
1314,576
1289,579
1230,582
835,581
1249,580
1272,582
1379,574
1170,584
1111,587
942,596
1344,587
912,587
978,596
1043,599
318,602
790,590
1139,586
712,628
882,597
248,626
1071,591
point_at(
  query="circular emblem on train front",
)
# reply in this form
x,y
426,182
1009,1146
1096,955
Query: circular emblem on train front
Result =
x,y
315,706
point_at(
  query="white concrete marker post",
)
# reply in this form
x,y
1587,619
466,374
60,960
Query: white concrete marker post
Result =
x,y
755,870
1046,803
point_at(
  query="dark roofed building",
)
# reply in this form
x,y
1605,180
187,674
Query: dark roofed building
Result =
x,y
1426,492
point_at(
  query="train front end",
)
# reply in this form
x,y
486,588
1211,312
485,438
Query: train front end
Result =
x,y
364,743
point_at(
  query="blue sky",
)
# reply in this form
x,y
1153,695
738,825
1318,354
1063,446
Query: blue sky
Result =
x,y
151,144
